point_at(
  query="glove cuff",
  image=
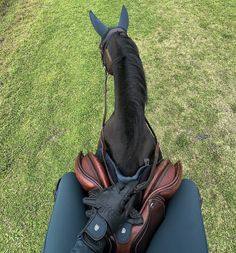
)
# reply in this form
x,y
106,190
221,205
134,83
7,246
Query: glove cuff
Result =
x,y
96,227
95,246
124,233
94,233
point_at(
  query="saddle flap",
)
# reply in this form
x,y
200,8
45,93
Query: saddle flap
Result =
x,y
166,180
153,213
90,172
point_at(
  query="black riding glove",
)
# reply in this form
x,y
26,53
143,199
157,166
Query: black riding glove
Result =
x,y
114,204
134,217
111,208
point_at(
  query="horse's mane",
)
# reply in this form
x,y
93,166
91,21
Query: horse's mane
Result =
x,y
134,91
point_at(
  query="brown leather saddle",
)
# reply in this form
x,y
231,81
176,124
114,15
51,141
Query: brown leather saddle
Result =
x,y
163,181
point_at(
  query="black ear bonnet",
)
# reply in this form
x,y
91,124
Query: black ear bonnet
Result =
x,y
106,32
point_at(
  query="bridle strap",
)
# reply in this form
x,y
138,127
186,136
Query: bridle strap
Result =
x,y
153,133
102,138
105,98
103,44
144,185
108,35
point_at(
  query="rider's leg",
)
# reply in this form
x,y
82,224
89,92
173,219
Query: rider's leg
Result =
x,y
68,216
182,230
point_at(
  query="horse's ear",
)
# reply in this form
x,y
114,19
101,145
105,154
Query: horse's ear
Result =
x,y
124,19
99,27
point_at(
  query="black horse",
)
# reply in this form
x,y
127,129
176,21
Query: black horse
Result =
x,y
127,199
128,136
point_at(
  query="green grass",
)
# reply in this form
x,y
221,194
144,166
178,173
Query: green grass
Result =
x,y
51,103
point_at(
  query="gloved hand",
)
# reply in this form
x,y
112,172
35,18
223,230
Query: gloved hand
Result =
x,y
114,204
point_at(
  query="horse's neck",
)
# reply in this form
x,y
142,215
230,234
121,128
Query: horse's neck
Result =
x,y
117,146
116,139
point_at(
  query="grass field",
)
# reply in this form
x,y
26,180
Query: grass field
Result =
x,y
51,103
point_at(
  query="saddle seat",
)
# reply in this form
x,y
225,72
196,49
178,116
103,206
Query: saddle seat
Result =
x,y
162,183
